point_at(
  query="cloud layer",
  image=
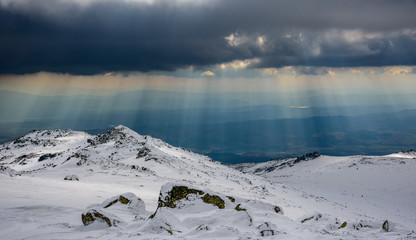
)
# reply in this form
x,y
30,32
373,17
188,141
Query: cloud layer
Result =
x,y
90,37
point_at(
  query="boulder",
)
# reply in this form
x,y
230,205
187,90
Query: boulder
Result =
x,y
116,211
72,177
386,226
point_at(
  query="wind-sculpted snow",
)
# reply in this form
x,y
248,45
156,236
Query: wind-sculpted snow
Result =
x,y
186,211
187,195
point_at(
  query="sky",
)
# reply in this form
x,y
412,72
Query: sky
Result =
x,y
181,54
155,40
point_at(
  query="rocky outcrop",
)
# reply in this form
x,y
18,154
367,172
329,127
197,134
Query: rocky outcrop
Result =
x,y
116,211
8,171
72,177
186,210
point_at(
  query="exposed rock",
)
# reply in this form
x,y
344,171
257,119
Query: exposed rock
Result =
x,y
231,198
143,152
72,177
83,158
180,203
8,171
91,215
46,156
278,209
267,229
175,194
386,226
314,216
307,157
117,210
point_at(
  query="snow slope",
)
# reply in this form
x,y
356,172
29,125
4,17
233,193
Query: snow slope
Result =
x,y
375,186
37,203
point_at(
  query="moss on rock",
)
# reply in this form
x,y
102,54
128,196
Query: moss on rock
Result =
x,y
124,200
231,198
153,215
213,199
317,217
87,218
93,215
307,219
239,209
175,194
343,225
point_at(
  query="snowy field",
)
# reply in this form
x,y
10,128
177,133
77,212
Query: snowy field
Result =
x,y
321,198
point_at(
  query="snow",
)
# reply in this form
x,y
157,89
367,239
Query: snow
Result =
x,y
380,187
37,203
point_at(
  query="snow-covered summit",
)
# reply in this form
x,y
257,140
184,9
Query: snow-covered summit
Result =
x,y
121,135
120,147
404,154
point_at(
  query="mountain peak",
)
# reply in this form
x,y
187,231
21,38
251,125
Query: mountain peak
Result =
x,y
120,134
121,127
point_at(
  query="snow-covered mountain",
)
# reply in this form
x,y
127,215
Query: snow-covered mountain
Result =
x,y
125,185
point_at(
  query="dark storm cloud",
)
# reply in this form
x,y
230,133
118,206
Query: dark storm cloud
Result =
x,y
102,36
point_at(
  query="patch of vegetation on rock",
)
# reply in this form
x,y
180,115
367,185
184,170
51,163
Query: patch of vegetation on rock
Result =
x,y
153,215
231,198
307,219
213,199
343,225
123,200
239,209
175,194
128,207
93,215
316,217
